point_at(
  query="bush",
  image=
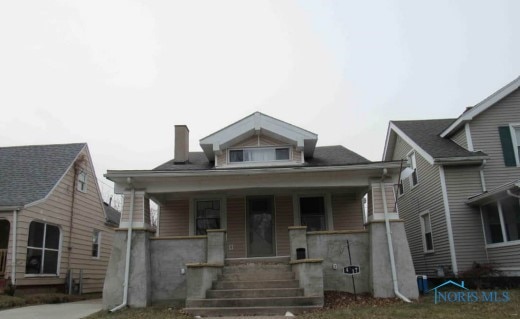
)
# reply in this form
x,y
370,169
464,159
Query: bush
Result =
x,y
476,275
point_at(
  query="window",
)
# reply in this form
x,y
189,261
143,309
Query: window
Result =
x,y
426,228
259,155
312,213
96,240
413,165
82,182
207,216
43,248
400,188
502,220
510,142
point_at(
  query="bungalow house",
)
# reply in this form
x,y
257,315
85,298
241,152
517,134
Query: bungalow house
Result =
x,y
460,201
260,222
52,218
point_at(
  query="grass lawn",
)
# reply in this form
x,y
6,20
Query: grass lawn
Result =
x,y
35,299
341,305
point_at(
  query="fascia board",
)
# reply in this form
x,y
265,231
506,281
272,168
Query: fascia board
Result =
x,y
410,142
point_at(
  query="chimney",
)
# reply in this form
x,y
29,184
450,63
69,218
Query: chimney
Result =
x,y
182,142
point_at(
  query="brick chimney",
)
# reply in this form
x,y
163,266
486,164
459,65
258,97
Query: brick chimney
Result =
x,y
182,142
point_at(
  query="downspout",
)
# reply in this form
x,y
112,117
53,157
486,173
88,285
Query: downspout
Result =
x,y
391,247
13,255
482,179
71,221
128,251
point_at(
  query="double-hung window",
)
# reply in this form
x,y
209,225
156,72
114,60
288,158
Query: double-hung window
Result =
x,y
82,182
502,220
260,154
207,216
43,249
413,165
96,240
426,229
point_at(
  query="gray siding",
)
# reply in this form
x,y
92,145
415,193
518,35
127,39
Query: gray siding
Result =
x,y
426,195
484,133
460,138
462,182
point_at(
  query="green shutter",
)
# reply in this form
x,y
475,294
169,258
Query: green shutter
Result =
x,y
507,145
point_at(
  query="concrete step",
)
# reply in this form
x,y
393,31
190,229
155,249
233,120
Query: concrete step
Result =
x,y
255,302
291,283
254,293
260,275
248,311
240,268
258,260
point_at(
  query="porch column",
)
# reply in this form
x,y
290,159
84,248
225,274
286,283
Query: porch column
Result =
x,y
298,240
216,246
141,213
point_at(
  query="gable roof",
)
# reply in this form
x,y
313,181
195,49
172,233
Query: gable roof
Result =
x,y
323,156
29,173
257,123
481,107
423,136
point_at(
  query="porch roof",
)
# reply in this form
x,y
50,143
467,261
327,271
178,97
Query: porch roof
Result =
x,y
497,192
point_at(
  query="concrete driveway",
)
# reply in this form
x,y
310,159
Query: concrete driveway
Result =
x,y
70,310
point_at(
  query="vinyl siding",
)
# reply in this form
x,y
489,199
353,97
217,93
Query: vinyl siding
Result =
x,y
139,207
236,232
284,219
88,216
425,196
174,218
462,182
485,136
347,212
507,256
460,138
376,199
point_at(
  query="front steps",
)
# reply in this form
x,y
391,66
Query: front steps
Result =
x,y
257,286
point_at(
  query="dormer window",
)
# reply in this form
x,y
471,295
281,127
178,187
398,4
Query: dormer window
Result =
x,y
263,154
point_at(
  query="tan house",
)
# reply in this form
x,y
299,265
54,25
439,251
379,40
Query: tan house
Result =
x,y
461,202
261,221
52,218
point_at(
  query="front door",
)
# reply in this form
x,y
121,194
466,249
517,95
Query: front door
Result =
x,y
260,242
4,241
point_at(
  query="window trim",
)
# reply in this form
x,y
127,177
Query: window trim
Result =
x,y
99,233
273,147
400,188
516,143
59,250
505,241
412,159
423,232
193,212
83,182
327,209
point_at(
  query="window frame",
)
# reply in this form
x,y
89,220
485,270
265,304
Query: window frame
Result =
x,y
43,249
400,188
274,148
516,143
503,226
82,181
326,217
412,160
422,217
195,208
99,236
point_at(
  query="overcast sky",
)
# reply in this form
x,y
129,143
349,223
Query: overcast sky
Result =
x,y
120,74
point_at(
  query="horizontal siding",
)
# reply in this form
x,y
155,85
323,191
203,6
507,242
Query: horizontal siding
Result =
x,y
284,219
425,196
508,256
376,199
460,138
236,221
175,218
139,207
462,182
485,137
88,216
347,211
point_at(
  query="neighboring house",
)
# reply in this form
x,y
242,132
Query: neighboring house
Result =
x,y
461,201
52,218
260,192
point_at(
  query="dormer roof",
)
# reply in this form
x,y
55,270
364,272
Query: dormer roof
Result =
x,y
259,124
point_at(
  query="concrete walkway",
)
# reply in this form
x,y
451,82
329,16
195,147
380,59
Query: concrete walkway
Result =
x,y
70,310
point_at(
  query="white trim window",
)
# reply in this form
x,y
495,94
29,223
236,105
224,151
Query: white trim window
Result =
x,y
82,181
43,249
502,221
413,165
426,231
515,138
259,154
96,243
400,188
313,213
207,215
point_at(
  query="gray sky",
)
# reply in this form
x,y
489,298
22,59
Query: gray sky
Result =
x,y
119,74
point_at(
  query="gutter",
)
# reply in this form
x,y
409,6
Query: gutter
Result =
x,y
391,248
13,255
127,259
